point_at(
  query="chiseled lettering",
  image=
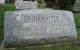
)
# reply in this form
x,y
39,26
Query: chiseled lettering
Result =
x,y
27,18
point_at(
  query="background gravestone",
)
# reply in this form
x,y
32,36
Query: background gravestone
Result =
x,y
77,6
25,5
36,27
2,1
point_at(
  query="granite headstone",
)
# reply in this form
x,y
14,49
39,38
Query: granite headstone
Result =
x,y
36,27
25,5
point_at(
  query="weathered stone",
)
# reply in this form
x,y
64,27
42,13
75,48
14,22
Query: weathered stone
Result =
x,y
36,27
25,5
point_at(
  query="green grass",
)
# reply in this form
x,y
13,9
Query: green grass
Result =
x,y
68,46
41,6
59,47
77,22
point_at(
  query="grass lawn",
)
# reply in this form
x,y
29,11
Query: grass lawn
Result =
x,y
68,46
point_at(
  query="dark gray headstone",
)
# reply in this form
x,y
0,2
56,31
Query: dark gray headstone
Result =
x,y
35,27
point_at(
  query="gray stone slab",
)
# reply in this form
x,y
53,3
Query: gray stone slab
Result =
x,y
35,27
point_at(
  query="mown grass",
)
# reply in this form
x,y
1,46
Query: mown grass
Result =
x,y
77,22
68,46
56,47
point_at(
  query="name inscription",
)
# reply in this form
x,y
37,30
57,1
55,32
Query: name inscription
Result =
x,y
41,24
40,18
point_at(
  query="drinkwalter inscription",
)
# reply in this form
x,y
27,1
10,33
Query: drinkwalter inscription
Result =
x,y
32,26
50,21
39,18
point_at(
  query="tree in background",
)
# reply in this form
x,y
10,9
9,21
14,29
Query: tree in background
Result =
x,y
60,4
55,4
10,1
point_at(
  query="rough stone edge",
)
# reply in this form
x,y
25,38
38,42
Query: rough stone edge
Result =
x,y
40,41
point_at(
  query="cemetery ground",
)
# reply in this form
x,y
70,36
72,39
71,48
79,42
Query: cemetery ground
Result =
x,y
61,46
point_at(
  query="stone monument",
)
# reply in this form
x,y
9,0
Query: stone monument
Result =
x,y
38,27
77,6
25,5
2,1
